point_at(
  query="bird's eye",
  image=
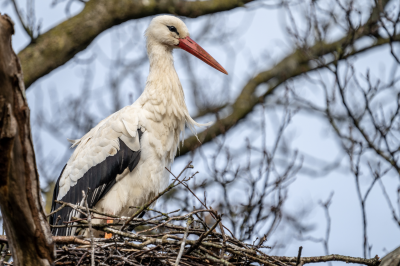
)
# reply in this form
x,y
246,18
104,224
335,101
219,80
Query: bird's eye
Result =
x,y
173,29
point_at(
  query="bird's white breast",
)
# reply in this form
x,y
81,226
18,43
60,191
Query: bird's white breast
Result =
x,y
158,146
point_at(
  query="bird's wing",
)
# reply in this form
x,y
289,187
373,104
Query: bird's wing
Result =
x,y
101,155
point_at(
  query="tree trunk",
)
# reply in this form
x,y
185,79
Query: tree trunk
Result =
x,y
391,259
25,222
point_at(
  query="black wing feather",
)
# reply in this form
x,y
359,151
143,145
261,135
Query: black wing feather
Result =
x,y
99,178
53,218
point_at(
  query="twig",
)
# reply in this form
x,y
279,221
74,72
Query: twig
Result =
x,y
221,227
204,205
70,240
73,206
53,212
176,218
189,222
80,260
198,242
67,240
224,262
21,19
77,208
89,220
334,257
299,255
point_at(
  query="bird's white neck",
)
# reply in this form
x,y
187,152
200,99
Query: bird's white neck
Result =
x,y
161,60
163,88
163,95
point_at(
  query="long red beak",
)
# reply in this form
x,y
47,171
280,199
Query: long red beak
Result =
x,y
192,47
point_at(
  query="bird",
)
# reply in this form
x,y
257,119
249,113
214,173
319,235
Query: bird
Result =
x,y
122,161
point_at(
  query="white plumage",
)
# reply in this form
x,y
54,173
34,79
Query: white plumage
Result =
x,y
150,128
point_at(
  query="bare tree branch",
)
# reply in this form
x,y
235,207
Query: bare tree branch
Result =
x,y
57,46
292,66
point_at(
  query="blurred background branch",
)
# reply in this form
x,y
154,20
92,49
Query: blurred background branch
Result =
x,y
59,44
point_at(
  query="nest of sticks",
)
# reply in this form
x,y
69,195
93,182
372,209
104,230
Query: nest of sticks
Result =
x,y
164,239
162,242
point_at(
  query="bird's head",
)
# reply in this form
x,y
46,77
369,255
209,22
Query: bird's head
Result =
x,y
171,32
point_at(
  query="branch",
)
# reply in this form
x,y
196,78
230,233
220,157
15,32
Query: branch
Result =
x,y
299,62
70,240
334,257
393,258
59,240
55,47
189,222
22,21
89,220
198,242
299,256
79,208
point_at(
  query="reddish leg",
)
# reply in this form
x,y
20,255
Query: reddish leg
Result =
x,y
108,235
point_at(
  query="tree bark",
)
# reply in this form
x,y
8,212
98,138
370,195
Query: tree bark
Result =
x,y
392,259
24,219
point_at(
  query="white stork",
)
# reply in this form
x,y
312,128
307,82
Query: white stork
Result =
x,y
122,159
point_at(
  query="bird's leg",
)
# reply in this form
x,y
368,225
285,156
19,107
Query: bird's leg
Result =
x,y
108,235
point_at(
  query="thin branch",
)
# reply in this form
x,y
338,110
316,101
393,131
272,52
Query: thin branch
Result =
x,y
189,222
299,256
89,220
